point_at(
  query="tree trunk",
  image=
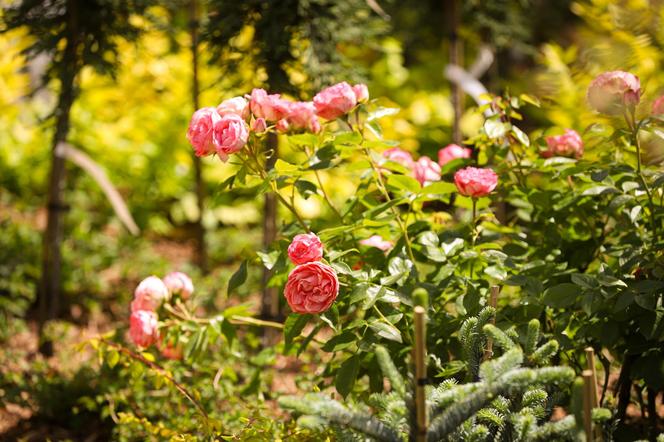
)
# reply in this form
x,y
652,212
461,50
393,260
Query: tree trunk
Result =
x,y
49,293
624,386
455,58
270,300
201,248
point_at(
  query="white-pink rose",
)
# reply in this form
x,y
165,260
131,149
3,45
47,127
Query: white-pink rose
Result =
x,y
179,283
611,92
305,247
335,101
311,288
426,170
378,242
237,105
302,116
200,130
150,294
230,135
452,152
270,107
361,92
400,156
568,144
475,182
143,328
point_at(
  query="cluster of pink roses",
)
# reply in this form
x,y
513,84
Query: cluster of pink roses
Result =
x,y
149,296
224,130
312,285
425,170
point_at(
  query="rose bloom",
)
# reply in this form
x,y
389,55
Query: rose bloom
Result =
x,y
658,106
400,156
179,283
452,152
568,144
305,247
335,101
475,182
259,125
361,92
270,107
302,116
200,130
311,288
237,106
610,92
378,242
149,294
143,329
426,170
230,135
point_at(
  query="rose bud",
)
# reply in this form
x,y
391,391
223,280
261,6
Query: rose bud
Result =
x,y
230,134
568,144
150,294
259,125
143,329
475,182
452,152
237,106
658,106
179,283
378,242
200,130
270,107
426,170
611,92
361,93
305,247
400,156
335,101
311,288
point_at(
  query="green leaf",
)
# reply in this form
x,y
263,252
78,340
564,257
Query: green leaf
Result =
x,y
340,342
283,167
112,358
521,136
346,375
387,331
382,112
561,295
495,128
403,182
439,188
585,281
530,99
598,190
306,188
269,259
238,278
293,326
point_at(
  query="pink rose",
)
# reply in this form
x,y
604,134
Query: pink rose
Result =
x,y
611,92
302,116
305,247
270,107
149,294
237,106
426,170
568,144
400,156
230,135
282,126
200,130
452,152
179,283
259,125
311,288
361,92
475,182
335,101
143,329
658,106
378,242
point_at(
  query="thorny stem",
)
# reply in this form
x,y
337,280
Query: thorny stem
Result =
x,y
159,370
273,186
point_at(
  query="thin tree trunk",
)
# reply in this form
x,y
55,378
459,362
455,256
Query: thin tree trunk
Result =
x,y
201,248
270,302
624,386
455,58
49,294
652,413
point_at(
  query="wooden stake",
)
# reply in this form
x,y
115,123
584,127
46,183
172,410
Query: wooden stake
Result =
x,y
588,404
493,302
590,360
420,374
